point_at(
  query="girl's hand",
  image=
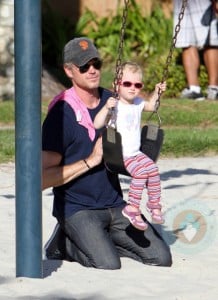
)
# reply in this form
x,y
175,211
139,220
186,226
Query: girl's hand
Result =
x,y
111,102
161,86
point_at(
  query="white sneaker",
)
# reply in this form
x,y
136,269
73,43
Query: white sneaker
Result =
x,y
212,93
189,94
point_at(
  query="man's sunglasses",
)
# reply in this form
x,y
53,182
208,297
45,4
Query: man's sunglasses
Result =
x,y
95,63
137,85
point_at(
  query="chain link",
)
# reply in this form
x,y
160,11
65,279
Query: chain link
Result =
x,y
172,47
174,40
118,72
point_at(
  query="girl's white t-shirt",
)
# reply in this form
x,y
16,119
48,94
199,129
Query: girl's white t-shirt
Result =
x,y
129,125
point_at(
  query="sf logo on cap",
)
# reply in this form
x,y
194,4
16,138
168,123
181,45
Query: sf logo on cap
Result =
x,y
84,45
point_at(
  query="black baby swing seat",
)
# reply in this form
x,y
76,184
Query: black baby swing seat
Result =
x,y
152,137
112,151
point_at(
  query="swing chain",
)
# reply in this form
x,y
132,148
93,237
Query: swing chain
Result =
x,y
118,73
174,40
118,70
172,47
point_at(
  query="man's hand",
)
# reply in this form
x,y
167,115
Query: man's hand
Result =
x,y
96,156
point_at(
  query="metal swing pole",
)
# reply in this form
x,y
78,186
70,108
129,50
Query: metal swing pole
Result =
x,y
27,23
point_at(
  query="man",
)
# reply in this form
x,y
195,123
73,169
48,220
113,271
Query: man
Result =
x,y
199,33
87,198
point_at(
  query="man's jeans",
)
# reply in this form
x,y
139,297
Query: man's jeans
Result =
x,y
98,238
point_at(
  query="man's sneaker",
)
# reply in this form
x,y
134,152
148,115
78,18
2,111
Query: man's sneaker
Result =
x,y
212,93
189,94
55,247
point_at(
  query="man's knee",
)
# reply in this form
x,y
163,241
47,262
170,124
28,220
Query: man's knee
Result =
x,y
165,260
108,265
106,261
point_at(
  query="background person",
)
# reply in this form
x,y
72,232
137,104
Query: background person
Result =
x,y
199,32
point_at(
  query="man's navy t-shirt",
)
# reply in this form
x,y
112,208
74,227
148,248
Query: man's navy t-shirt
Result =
x,y
97,188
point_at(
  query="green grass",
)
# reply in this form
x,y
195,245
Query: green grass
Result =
x,y
194,141
190,128
6,145
186,113
6,112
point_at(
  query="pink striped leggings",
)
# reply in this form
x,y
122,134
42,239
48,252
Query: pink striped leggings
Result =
x,y
144,173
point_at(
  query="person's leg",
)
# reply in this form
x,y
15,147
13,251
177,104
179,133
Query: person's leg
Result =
x,y
191,64
88,240
55,247
138,167
146,246
154,194
145,174
211,63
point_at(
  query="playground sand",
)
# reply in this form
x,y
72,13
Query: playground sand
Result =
x,y
190,201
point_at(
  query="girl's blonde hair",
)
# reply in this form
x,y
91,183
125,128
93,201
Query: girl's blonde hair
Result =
x,y
131,66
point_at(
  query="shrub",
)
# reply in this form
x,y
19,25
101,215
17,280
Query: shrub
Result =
x,y
147,41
